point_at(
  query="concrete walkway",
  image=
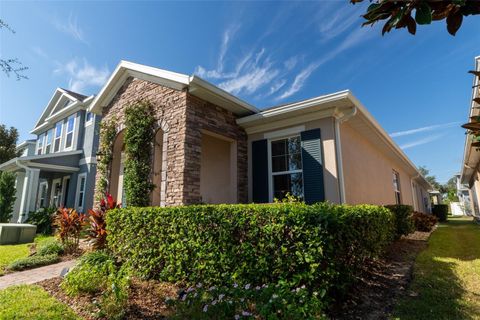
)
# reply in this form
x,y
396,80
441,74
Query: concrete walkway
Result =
x,y
34,275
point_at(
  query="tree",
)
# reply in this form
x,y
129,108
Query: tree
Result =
x,y
399,13
11,65
431,179
7,195
8,143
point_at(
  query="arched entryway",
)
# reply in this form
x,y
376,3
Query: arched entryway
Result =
x,y
117,187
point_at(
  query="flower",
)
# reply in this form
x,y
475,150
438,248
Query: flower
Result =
x,y
274,296
195,294
199,285
242,299
184,297
247,286
214,302
235,285
212,288
246,313
302,287
190,289
220,297
257,288
236,317
205,308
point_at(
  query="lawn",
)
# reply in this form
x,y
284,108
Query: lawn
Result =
x,y
10,253
446,283
32,302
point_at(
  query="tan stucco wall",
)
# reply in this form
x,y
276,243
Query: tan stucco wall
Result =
x,y
368,171
327,129
215,171
475,190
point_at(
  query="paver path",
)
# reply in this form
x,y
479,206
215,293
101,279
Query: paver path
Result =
x,y
34,275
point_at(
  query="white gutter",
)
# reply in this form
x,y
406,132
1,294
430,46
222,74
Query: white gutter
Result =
x,y
340,118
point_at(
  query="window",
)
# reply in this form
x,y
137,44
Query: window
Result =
x,y
48,143
396,187
69,132
42,197
40,143
286,166
88,118
82,179
58,136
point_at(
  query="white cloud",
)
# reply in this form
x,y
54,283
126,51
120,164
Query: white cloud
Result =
x,y
83,75
354,38
277,86
71,28
421,141
291,62
423,129
333,24
40,52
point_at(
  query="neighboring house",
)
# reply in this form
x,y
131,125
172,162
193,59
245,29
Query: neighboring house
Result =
x,y
59,167
470,175
212,147
463,194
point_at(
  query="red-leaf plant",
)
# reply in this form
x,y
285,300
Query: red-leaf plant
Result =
x,y
69,224
98,232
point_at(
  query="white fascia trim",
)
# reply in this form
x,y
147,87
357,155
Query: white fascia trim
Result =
x,y
52,155
121,73
197,81
283,132
25,143
465,177
57,91
383,134
305,104
50,166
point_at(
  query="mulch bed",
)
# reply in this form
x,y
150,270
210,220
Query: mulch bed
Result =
x,y
372,297
382,281
146,300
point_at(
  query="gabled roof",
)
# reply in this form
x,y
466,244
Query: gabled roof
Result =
x,y
195,85
62,101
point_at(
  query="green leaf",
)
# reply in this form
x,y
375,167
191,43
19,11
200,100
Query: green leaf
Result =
x,y
423,14
454,21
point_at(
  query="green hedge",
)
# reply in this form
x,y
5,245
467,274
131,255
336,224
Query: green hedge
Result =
x,y
320,245
441,212
403,216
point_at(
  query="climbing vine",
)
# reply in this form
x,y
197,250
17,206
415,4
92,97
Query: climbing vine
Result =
x,y
139,134
105,150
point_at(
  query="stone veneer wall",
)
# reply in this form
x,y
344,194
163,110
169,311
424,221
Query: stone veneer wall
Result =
x,y
183,116
203,115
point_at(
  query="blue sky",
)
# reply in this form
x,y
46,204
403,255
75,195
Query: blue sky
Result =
x,y
267,53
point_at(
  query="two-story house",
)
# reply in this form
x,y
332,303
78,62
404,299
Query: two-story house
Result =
x,y
59,167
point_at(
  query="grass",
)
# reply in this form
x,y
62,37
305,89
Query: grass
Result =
x,y
446,283
32,302
12,252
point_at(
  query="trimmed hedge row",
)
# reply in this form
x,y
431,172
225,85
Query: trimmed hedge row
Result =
x,y
403,217
321,245
441,212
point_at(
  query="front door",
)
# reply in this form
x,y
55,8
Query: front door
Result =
x,y
66,185
56,195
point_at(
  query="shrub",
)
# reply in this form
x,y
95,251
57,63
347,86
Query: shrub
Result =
x,y
98,232
403,219
69,225
90,275
33,261
7,195
313,245
424,222
441,212
268,301
43,218
48,247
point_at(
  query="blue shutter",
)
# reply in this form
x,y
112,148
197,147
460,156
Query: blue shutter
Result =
x,y
260,171
313,187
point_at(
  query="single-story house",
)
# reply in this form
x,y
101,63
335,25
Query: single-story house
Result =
x,y
470,175
212,147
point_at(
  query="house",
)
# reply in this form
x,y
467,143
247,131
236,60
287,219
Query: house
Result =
x,y
470,175
463,194
212,147
59,167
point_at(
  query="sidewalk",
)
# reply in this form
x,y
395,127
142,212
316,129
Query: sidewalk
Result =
x,y
34,275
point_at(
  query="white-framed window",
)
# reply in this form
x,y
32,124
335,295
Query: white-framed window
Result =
x,y
286,171
40,143
70,127
58,136
396,187
89,118
42,195
81,185
48,141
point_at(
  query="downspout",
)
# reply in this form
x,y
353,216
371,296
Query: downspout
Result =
x,y
341,117
24,191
